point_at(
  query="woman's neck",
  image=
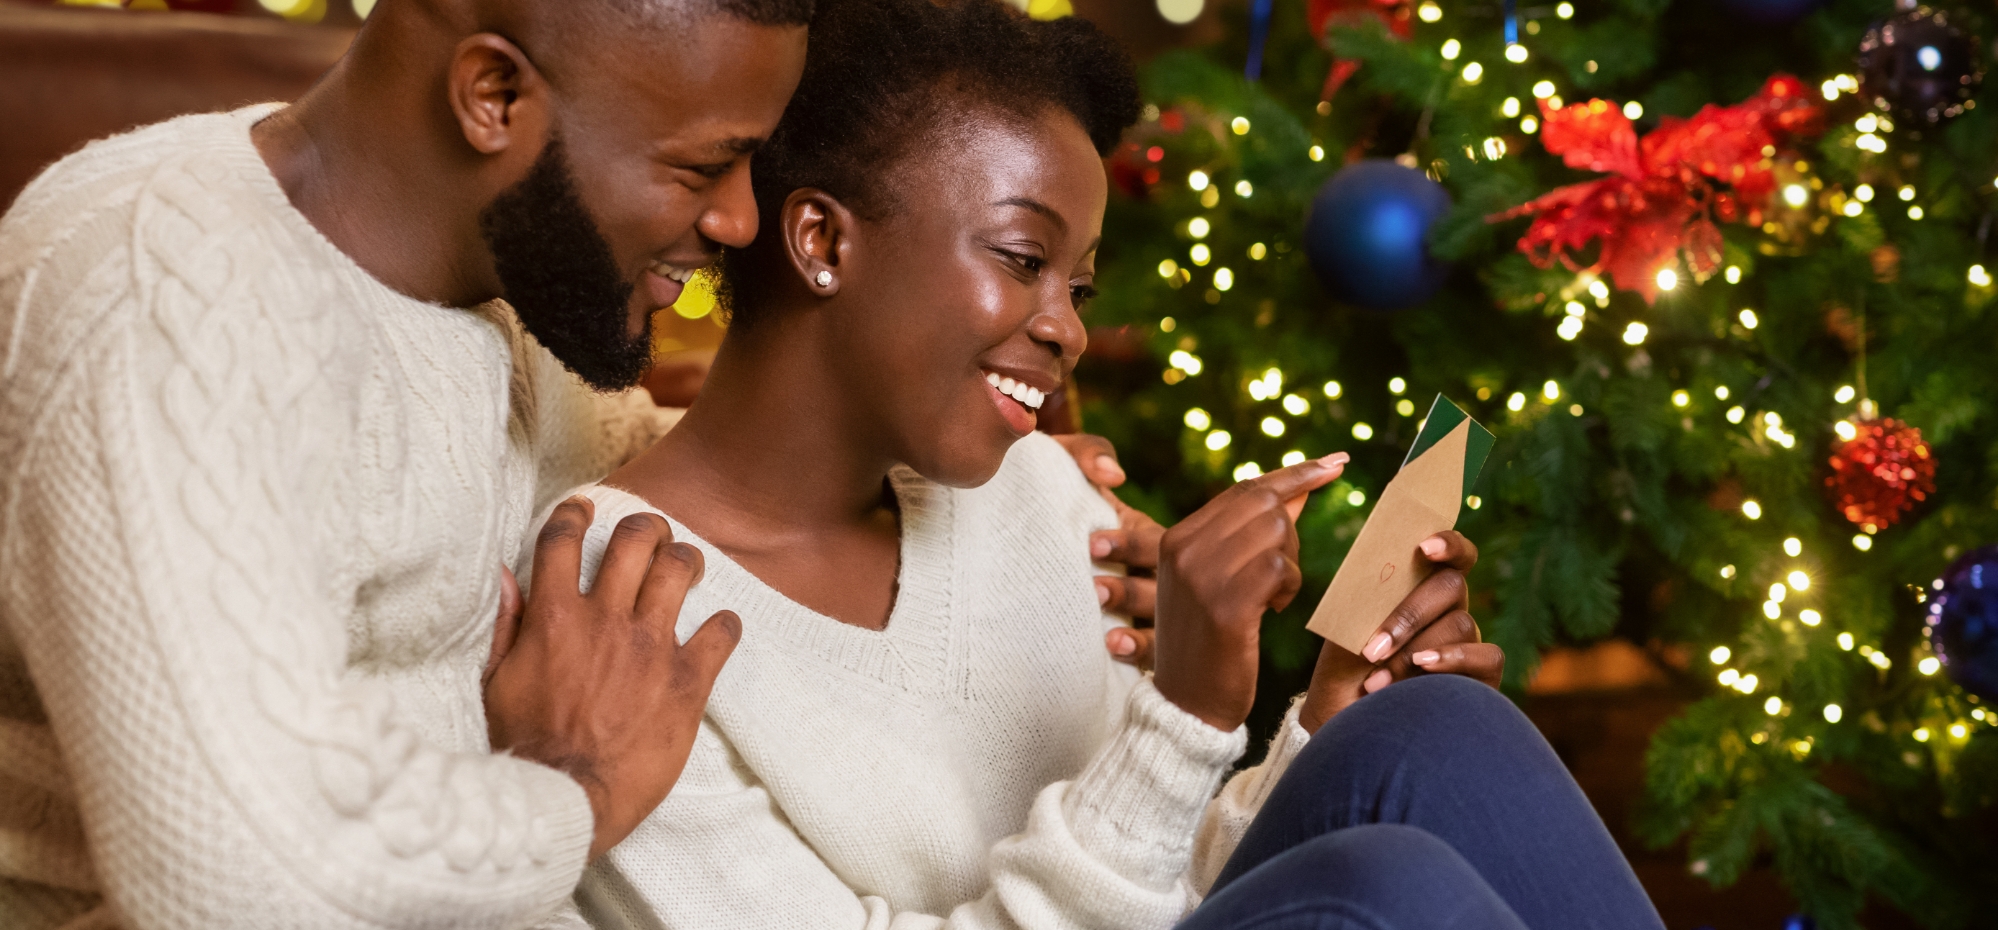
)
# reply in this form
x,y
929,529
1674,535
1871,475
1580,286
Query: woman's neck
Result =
x,y
770,467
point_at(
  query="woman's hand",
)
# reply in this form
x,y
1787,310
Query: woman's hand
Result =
x,y
1219,570
1430,632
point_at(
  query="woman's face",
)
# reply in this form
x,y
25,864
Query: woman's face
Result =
x,y
974,277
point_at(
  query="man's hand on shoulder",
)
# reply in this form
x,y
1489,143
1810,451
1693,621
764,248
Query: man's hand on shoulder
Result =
x,y
597,685
1134,544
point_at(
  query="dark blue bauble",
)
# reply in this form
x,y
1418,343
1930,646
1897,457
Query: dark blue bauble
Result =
x,y
1799,922
1963,622
1771,12
1368,235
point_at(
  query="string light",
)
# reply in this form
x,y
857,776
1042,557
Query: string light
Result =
x,y
1829,88
1773,706
1720,655
1748,319
1915,213
1728,677
1777,592
1397,385
1810,617
1633,110
1197,419
1333,390
1921,734
1451,49
1565,10
1362,432
1356,497
1240,125
1168,268
1515,53
1199,253
1218,440
1543,89
1979,276
1863,193
1257,251
1272,427
1551,391
1727,571
1844,394
1247,470
1751,509
1405,407
1732,274
1862,542
1906,193
1197,180
1510,108
1720,392
1516,402
1294,405
1529,125
1772,610
1185,361
1292,458
1852,208
1473,73
1793,547
1317,153
1735,414
1958,730
1845,430
1634,333
1223,279
1929,665
1569,328
1243,189
1197,227
1800,581
1429,12
1845,641
1474,502
1834,713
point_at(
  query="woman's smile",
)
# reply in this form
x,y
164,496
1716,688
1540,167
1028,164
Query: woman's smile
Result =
x,y
1016,399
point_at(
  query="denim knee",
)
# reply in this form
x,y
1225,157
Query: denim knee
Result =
x,y
1377,876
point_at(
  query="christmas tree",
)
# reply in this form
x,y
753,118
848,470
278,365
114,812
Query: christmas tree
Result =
x,y
1713,272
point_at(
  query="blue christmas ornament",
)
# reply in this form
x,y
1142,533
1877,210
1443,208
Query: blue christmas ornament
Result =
x,y
1799,922
1963,622
1367,235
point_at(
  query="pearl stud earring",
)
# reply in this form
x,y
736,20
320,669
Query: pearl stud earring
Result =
x,y
823,279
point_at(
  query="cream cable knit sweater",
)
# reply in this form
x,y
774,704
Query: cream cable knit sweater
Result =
x,y
980,763
252,507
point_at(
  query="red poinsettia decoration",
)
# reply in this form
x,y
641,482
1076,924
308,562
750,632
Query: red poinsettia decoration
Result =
x,y
1664,192
1320,15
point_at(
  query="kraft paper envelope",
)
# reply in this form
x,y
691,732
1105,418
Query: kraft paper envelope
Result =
x,y
1424,498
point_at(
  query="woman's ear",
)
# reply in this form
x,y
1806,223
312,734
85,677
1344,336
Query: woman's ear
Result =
x,y
819,236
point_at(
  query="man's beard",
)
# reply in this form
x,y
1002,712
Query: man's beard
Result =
x,y
557,272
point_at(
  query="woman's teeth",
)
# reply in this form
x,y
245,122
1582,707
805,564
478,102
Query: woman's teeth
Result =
x,y
1027,396
673,272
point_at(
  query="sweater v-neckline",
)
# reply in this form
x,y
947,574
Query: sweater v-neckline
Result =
x,y
912,652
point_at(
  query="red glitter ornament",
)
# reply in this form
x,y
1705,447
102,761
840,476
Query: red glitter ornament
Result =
x,y
1879,474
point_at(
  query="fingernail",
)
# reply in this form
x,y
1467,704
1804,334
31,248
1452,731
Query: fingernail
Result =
x,y
1121,644
1433,548
1425,657
1377,681
1335,459
1099,547
1102,594
1377,648
1109,465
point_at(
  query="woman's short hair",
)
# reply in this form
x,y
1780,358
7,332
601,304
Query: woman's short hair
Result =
x,y
887,80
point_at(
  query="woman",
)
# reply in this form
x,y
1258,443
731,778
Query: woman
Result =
x,y
920,727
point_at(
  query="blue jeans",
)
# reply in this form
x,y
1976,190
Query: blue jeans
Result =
x,y
1432,804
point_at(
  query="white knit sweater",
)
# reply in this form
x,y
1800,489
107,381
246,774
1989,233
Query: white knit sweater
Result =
x,y
253,505
980,763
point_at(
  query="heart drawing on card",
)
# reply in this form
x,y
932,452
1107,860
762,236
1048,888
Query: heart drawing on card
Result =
x,y
1387,571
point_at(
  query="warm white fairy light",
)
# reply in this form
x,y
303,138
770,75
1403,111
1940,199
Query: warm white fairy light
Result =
x,y
1921,734
1727,571
1681,398
1720,655
1852,208
1551,391
1863,193
1834,713
1197,180
1510,108
1333,389
1356,497
1247,470
1728,677
1565,10
1810,617
1185,361
1845,430
1569,328
1429,12
1862,542
1244,188
1515,53
1634,333
1735,414
1958,730
1451,49
1721,392
1257,251
1198,227
1979,276
1240,125
1915,212
1405,407
1844,394
1748,318
1473,73
1292,458
1907,192
1732,274
1168,268
1799,581
1599,290
1272,427
1200,254
1772,609
1223,279
1777,592
1793,547
1516,402
1317,153
1295,405
1845,641
1773,706
1751,509
1633,110
1219,440
1929,665
1397,385
1197,419
1829,89
1362,432
1543,89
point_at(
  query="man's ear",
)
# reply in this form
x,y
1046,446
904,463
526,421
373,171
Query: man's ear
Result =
x,y
819,237
500,100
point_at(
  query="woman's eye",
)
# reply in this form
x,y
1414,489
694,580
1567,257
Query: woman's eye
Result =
x,y
1080,294
1031,263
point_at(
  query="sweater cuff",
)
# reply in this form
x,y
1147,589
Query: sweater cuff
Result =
x,y
561,828
1137,804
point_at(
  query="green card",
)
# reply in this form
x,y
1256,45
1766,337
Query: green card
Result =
x,y
1444,417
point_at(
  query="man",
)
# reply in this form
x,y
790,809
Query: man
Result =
x,y
270,439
